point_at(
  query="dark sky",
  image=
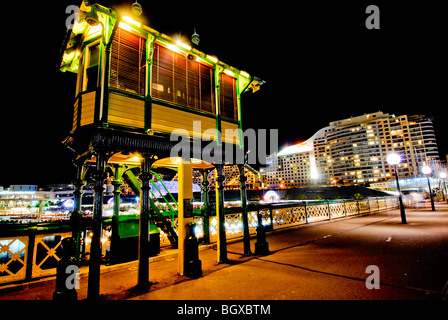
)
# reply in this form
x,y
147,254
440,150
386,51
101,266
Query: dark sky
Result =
x,y
319,61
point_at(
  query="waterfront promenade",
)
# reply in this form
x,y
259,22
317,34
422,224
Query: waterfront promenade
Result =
x,y
322,261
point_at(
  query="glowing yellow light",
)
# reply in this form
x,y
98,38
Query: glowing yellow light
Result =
x,y
131,21
95,29
135,159
244,74
199,60
172,47
228,72
212,59
183,45
68,56
124,26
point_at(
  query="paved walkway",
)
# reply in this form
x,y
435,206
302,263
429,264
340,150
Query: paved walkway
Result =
x,y
319,261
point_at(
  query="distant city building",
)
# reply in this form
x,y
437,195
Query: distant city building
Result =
x,y
354,151
423,137
232,181
22,187
293,166
23,199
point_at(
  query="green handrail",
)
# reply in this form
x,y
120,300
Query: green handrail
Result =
x,y
166,189
166,201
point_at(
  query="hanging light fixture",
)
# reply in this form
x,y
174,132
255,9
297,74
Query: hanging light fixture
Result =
x,y
137,9
92,17
195,38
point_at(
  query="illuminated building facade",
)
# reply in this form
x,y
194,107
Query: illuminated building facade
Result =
x,y
138,88
29,199
423,138
232,175
354,150
295,165
289,170
134,78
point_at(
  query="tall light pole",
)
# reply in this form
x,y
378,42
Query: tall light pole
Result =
x,y
394,159
442,175
427,171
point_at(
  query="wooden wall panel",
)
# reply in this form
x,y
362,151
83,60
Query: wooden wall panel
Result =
x,y
165,119
88,108
126,111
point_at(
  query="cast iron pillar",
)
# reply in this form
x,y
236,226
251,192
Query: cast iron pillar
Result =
x,y
93,291
243,194
76,217
222,244
205,208
115,238
143,283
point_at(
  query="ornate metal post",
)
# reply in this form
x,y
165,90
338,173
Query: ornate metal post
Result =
x,y
115,239
205,208
93,291
143,282
76,217
222,244
246,239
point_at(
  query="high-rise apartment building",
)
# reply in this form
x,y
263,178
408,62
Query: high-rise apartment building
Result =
x,y
354,151
423,138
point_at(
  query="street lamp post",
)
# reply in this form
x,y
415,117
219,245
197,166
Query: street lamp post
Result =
x,y
442,175
394,159
427,171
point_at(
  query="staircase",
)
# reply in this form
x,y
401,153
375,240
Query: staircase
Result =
x,y
161,209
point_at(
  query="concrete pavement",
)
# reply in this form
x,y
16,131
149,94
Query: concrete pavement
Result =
x,y
329,261
318,261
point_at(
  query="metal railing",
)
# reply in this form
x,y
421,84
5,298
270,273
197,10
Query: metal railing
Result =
x,y
283,215
32,251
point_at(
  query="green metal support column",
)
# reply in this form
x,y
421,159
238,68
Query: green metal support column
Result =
x,y
205,208
222,244
148,99
218,72
107,44
93,290
76,217
143,283
246,239
115,239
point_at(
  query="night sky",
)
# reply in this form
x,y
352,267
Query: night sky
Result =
x,y
319,61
